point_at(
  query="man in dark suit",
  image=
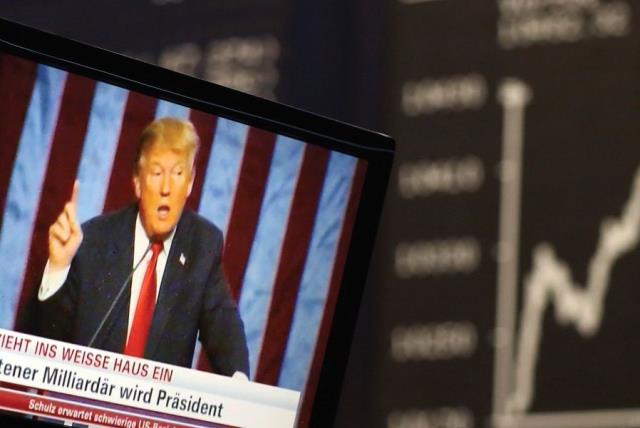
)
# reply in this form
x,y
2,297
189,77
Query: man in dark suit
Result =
x,y
177,291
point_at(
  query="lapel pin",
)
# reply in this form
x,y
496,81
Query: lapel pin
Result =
x,y
183,259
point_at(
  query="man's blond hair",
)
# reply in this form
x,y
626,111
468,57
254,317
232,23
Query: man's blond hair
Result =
x,y
170,132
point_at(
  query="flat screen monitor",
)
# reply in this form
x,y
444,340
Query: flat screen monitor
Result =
x,y
172,252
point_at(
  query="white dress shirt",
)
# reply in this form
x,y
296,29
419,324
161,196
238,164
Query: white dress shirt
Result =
x,y
52,281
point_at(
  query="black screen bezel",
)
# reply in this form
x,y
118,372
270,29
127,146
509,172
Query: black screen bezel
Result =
x,y
377,149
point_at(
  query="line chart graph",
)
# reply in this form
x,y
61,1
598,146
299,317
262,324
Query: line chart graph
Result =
x,y
549,283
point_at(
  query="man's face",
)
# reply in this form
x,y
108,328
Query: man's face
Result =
x,y
164,182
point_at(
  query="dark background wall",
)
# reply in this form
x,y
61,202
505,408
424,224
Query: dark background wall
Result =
x,y
503,290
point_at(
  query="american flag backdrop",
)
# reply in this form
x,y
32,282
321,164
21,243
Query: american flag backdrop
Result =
x,y
286,208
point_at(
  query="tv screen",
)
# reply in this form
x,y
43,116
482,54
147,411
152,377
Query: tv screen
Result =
x,y
173,253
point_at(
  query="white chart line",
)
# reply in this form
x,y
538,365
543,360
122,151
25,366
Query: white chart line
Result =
x,y
514,95
550,282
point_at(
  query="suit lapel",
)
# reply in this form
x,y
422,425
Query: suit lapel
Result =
x,y
173,281
119,261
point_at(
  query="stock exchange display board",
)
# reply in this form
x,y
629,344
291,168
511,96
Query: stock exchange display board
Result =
x,y
510,296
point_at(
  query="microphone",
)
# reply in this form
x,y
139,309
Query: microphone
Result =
x,y
118,296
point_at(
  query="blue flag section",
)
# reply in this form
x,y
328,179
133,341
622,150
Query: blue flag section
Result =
x,y
23,194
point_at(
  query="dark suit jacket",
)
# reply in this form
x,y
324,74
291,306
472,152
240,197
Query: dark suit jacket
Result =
x,y
193,297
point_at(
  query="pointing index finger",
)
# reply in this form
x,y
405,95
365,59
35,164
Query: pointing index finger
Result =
x,y
71,207
74,192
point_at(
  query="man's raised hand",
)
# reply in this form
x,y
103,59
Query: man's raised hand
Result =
x,y
65,234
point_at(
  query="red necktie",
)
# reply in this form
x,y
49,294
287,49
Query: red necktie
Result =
x,y
144,309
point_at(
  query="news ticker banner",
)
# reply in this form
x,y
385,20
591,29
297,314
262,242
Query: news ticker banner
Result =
x,y
511,237
65,411
143,386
